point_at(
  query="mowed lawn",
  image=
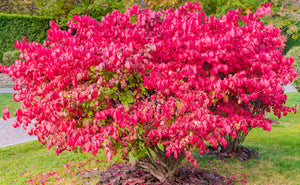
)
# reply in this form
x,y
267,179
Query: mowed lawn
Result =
x,y
278,161
6,100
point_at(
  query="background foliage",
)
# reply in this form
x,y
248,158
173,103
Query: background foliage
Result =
x,y
13,27
63,10
216,7
219,7
286,15
18,7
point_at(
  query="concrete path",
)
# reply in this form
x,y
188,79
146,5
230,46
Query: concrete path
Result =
x,y
7,90
11,136
290,88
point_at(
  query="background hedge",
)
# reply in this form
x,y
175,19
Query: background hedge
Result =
x,y
13,27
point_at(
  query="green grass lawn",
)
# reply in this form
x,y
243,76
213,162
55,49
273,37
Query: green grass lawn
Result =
x,y
278,161
6,100
31,160
293,98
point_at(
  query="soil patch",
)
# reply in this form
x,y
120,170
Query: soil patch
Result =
x,y
124,174
243,153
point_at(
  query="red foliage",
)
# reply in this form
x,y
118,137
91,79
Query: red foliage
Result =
x,y
173,77
6,114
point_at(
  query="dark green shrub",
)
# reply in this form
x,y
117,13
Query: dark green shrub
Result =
x,y
10,57
13,27
290,43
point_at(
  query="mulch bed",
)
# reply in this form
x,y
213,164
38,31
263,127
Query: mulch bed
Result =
x,y
243,153
124,174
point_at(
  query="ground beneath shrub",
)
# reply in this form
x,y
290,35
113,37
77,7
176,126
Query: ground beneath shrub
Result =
x,y
243,153
124,174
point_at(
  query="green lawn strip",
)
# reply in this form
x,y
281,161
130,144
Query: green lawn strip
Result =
x,y
6,100
293,98
278,161
290,118
29,160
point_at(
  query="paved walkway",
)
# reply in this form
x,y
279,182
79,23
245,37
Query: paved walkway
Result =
x,y
11,136
290,88
7,90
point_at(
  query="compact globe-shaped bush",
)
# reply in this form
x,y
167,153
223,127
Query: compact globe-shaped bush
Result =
x,y
10,57
154,83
